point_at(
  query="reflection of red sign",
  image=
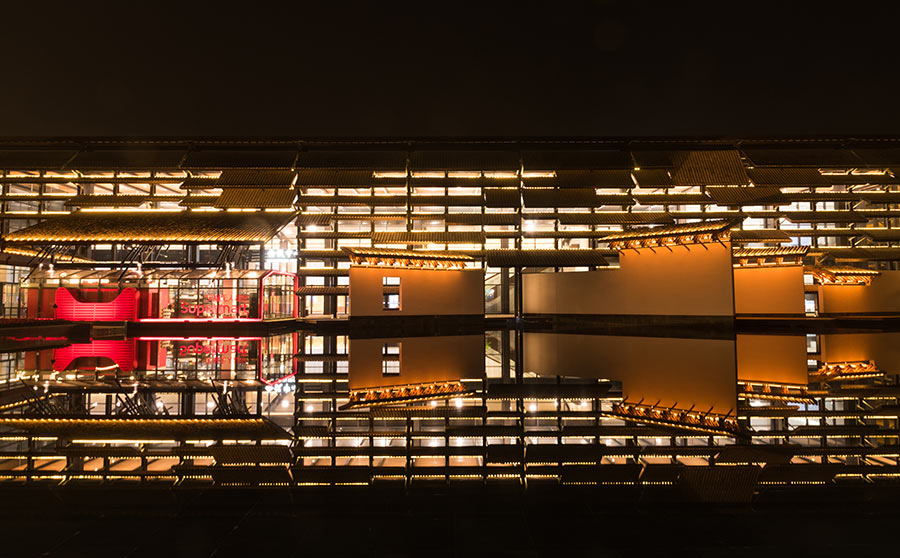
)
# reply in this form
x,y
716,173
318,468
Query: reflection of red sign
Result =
x,y
218,349
120,351
122,308
218,305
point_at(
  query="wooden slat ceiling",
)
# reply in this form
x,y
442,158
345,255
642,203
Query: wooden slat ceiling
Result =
x,y
262,198
331,177
611,178
108,201
737,195
615,218
709,167
781,176
424,237
255,178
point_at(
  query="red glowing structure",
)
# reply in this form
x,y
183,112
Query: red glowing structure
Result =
x,y
160,295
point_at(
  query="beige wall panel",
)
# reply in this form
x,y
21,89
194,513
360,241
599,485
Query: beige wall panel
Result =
x,y
682,372
428,292
883,348
882,296
422,360
769,290
691,280
775,359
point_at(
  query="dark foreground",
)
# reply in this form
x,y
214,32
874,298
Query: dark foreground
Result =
x,y
441,521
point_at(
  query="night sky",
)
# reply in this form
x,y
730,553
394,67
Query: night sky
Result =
x,y
602,68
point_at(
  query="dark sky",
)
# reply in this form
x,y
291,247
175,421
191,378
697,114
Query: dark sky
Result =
x,y
605,68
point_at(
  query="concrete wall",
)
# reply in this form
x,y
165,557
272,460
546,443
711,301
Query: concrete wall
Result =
x,y
882,296
769,290
682,372
883,348
427,292
694,280
774,359
422,360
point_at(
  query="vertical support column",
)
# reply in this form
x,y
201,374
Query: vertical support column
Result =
x,y
520,404
504,288
519,303
187,404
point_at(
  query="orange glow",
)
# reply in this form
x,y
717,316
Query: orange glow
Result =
x,y
677,418
846,371
405,394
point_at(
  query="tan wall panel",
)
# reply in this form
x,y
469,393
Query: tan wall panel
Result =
x,y
686,281
422,360
882,296
426,292
883,348
682,372
775,359
769,290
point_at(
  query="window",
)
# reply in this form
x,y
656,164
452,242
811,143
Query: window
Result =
x,y
390,359
812,343
390,287
811,303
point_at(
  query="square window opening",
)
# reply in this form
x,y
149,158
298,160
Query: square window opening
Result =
x,y
390,287
390,359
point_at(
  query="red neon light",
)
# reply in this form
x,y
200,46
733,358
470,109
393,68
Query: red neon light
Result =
x,y
120,351
122,308
198,320
198,338
275,382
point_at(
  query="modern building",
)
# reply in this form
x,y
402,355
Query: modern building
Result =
x,y
551,310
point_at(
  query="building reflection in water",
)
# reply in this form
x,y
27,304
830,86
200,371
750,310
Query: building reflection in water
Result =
x,y
501,405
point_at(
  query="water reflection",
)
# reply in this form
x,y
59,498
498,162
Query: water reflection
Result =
x,y
493,403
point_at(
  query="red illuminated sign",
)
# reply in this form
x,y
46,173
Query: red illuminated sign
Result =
x,y
216,305
122,308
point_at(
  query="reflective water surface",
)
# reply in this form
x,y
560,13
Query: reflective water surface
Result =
x,y
517,403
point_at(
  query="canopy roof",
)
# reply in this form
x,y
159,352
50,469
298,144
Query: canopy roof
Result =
x,y
715,228
155,227
148,428
133,275
414,258
770,252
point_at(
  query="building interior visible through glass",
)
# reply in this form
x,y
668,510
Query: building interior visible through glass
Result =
x,y
291,313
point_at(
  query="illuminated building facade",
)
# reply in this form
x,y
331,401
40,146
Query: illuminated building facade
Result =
x,y
304,312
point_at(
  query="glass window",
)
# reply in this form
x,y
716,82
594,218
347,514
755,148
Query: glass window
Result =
x,y
390,359
390,293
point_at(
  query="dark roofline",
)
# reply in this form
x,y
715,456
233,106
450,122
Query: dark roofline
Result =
x,y
113,142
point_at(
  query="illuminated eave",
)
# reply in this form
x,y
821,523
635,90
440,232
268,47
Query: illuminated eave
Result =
x,y
666,241
682,419
406,394
768,261
776,392
846,371
842,276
